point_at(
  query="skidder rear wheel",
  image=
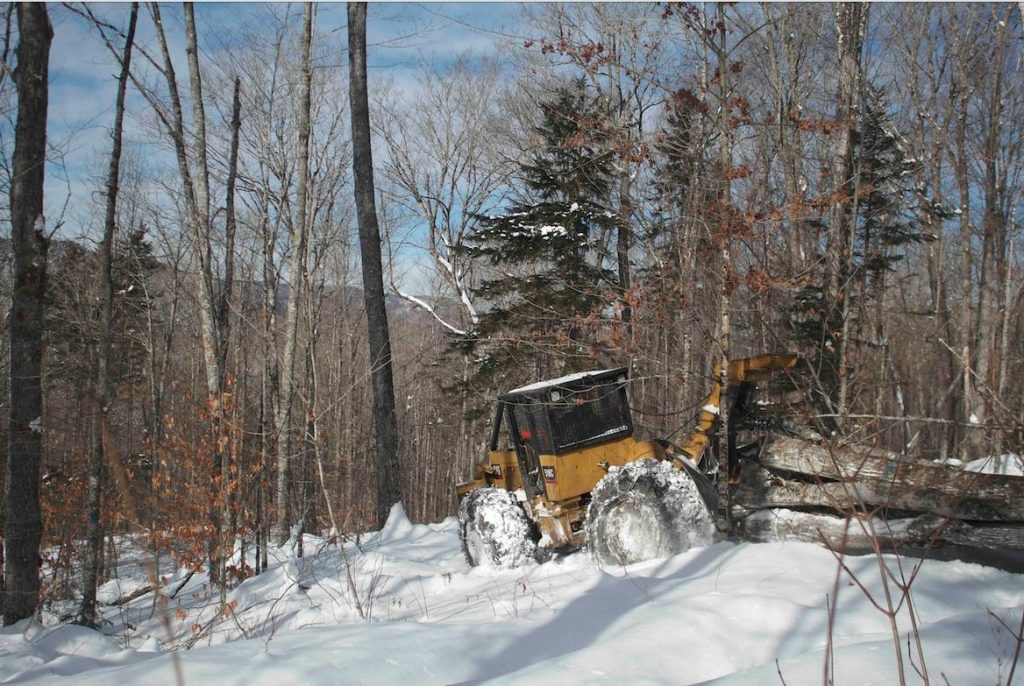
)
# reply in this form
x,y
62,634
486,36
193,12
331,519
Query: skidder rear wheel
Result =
x,y
493,529
646,509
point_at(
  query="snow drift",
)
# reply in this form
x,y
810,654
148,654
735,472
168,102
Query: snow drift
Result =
x,y
722,614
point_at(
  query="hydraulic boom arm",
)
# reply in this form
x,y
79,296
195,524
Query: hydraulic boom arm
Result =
x,y
746,370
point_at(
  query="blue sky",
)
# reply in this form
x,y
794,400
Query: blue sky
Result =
x,y
83,73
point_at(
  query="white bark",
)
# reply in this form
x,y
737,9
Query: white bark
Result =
x,y
297,272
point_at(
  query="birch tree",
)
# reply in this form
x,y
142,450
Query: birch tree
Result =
x,y
296,272
851,23
94,541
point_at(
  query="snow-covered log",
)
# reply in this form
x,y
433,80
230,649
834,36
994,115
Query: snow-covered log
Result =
x,y
784,492
839,534
847,475
763,489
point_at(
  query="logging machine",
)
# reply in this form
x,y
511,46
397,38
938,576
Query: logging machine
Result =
x,y
564,470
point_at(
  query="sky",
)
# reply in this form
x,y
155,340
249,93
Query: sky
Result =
x,y
83,77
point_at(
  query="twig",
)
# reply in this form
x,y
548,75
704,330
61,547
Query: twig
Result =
x,y
778,671
181,585
1018,637
134,595
121,479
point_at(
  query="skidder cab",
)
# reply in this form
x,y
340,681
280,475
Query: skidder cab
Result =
x,y
564,470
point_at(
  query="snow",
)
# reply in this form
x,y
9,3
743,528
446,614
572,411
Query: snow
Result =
x,y
610,432
493,514
560,381
551,230
723,614
633,525
1009,464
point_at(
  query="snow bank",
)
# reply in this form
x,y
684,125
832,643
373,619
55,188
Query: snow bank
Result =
x,y
1008,464
720,614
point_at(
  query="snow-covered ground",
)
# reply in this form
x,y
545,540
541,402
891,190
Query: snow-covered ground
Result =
x,y
723,614
1009,464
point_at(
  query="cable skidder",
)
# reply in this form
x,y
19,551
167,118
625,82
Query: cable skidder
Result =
x,y
571,473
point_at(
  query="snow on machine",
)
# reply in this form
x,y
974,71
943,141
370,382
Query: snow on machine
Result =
x,y
573,474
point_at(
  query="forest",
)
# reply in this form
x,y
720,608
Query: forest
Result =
x,y
286,295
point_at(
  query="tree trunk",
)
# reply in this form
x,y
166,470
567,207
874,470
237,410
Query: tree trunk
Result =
x,y
384,421
961,174
94,536
297,269
224,304
201,218
725,266
227,532
624,239
842,534
993,263
851,21
196,193
207,304
22,524
881,470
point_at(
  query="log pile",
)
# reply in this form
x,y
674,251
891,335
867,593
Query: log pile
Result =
x,y
843,496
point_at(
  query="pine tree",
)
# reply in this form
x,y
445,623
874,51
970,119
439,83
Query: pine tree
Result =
x,y
679,154
548,290
679,191
887,206
888,218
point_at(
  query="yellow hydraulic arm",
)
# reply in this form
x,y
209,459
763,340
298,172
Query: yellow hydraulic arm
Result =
x,y
749,369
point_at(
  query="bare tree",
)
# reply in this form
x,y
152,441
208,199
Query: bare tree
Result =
x,y
446,170
851,23
384,420
297,269
94,543
22,524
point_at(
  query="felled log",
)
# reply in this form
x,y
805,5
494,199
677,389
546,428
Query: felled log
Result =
x,y
762,489
839,533
994,536
125,599
845,477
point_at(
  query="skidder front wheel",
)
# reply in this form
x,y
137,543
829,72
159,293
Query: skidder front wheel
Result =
x,y
644,510
493,529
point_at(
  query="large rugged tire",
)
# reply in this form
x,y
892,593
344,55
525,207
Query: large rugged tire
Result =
x,y
644,510
493,529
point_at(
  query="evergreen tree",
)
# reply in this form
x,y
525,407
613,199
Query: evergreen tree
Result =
x,y
678,154
73,308
548,289
678,192
889,209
